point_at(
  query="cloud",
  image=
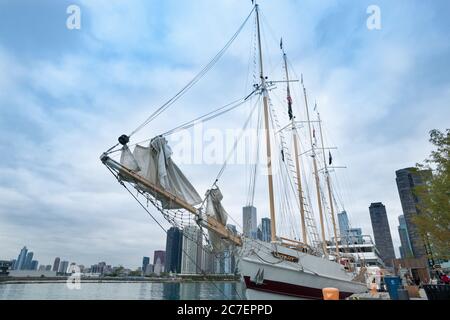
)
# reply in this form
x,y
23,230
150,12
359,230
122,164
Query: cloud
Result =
x,y
65,101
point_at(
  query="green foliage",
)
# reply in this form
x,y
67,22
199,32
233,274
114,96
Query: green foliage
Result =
x,y
434,221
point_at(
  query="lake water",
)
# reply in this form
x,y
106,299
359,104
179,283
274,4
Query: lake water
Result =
x,y
123,290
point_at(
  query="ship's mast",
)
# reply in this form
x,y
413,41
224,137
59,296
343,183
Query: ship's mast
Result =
x,y
263,87
316,175
330,195
296,153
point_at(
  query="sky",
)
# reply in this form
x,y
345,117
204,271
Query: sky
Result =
x,y
67,94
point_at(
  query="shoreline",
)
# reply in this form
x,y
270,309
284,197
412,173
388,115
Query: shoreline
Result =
x,y
63,279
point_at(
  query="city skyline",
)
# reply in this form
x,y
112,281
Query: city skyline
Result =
x,y
68,87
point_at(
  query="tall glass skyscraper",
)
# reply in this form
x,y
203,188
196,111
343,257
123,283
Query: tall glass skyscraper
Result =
x,y
343,223
382,233
191,257
174,243
159,259
405,249
266,231
28,260
145,263
56,264
20,263
407,179
249,219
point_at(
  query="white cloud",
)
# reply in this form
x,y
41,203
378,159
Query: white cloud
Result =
x,y
59,200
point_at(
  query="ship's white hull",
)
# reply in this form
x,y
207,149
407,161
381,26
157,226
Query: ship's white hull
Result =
x,y
268,277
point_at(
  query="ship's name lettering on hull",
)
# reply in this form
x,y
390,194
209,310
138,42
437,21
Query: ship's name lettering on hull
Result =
x,y
284,256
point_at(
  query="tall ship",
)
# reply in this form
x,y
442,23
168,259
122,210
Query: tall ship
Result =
x,y
296,262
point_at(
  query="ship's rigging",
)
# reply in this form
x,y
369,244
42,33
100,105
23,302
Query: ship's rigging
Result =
x,y
150,175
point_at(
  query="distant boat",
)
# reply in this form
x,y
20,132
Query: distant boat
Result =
x,y
283,268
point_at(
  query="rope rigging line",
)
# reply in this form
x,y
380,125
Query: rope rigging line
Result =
x,y
165,231
191,83
210,115
236,142
203,118
252,184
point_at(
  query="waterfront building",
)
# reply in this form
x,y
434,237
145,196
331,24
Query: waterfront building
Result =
x,y
266,231
28,260
405,248
5,266
21,259
208,260
13,264
41,268
407,180
343,223
354,235
192,250
259,233
63,266
159,258
249,218
149,268
145,263
56,264
48,267
382,233
174,243
34,265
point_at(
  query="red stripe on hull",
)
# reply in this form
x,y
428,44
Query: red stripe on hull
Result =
x,y
288,289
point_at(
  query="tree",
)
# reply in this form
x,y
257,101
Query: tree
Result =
x,y
433,222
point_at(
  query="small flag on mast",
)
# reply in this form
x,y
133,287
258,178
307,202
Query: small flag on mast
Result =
x,y
281,43
330,158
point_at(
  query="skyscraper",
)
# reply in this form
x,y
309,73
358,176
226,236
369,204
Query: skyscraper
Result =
x,y
207,260
381,232
56,264
407,179
192,250
405,248
145,263
27,263
174,243
21,259
34,265
343,223
63,266
249,222
159,259
266,231
354,236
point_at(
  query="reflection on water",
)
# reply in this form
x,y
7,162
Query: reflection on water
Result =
x,y
124,290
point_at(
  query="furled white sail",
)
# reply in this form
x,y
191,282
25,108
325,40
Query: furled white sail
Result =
x,y
215,209
154,163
